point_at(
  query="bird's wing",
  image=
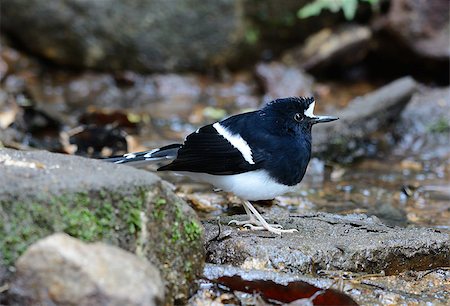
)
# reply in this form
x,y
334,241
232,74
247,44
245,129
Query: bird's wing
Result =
x,y
213,149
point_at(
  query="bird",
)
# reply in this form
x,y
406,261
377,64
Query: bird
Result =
x,y
255,155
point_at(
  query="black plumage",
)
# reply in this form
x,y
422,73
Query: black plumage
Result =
x,y
257,155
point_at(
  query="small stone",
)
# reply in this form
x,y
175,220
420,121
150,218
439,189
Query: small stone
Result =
x,y
281,81
206,202
345,45
61,270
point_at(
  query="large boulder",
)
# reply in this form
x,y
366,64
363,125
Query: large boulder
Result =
x,y
423,26
61,270
43,193
139,35
158,35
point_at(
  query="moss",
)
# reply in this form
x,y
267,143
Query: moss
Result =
x,y
442,125
252,35
192,230
160,202
158,211
176,227
176,235
90,217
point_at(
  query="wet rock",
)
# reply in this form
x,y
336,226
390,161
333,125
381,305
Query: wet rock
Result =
x,y
280,81
424,125
341,46
349,137
43,193
61,270
422,26
328,242
157,37
411,287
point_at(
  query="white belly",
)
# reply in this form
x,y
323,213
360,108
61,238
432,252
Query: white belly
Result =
x,y
252,186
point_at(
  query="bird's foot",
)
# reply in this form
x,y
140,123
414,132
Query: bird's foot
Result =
x,y
253,224
273,228
257,222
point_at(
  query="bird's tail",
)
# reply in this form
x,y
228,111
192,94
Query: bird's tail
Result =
x,y
140,159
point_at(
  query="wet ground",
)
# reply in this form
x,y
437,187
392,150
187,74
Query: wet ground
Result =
x,y
96,115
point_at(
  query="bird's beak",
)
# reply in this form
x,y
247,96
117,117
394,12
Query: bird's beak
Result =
x,y
322,119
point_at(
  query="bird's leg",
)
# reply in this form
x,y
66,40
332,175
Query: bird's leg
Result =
x,y
259,223
273,228
251,218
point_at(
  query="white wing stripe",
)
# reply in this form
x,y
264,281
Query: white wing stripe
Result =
x,y
149,153
236,141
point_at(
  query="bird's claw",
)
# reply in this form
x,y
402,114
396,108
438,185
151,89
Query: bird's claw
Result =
x,y
279,231
257,222
260,227
273,228
236,222
253,224
253,227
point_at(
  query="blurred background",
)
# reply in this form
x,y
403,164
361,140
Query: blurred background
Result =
x,y
106,77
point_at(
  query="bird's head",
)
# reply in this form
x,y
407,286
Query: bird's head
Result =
x,y
294,114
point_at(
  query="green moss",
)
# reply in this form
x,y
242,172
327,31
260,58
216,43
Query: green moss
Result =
x,y
176,235
192,230
158,211
90,217
160,202
442,125
252,35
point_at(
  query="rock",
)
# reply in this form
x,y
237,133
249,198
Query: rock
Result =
x,y
4,278
424,125
276,25
422,26
281,81
409,288
158,35
138,35
348,138
341,46
61,270
329,242
43,193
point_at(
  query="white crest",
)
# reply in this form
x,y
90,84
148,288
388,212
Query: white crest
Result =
x,y
236,141
310,111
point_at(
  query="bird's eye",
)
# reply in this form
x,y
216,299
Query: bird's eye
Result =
x,y
298,117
